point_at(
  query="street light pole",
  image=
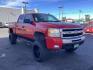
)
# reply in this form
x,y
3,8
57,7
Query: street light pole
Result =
x,y
25,3
80,14
60,12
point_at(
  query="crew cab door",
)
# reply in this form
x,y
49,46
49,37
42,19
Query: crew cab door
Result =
x,y
29,28
19,25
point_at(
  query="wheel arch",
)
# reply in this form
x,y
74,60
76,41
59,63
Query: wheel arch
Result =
x,y
39,33
10,30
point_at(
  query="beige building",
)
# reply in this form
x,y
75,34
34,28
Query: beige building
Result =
x,y
11,14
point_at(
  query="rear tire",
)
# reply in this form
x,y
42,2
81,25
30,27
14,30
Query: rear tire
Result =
x,y
12,38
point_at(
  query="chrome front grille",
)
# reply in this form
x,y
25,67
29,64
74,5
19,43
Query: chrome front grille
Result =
x,y
72,32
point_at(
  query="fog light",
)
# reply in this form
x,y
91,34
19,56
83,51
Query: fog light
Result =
x,y
87,29
56,46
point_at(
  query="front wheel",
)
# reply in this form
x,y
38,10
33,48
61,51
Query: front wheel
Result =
x,y
40,52
12,38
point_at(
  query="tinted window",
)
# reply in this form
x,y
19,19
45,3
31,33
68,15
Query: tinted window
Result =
x,y
28,17
21,19
45,18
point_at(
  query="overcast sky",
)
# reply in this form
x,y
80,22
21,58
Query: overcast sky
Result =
x,y
70,7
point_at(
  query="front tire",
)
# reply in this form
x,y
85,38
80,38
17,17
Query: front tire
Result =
x,y
40,51
12,38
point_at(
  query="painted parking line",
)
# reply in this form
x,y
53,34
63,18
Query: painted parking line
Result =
x,y
2,55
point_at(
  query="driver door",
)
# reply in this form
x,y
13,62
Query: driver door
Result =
x,y
28,27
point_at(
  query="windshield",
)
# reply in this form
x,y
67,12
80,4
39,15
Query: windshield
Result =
x,y
45,18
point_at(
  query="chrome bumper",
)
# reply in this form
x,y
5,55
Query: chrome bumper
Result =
x,y
73,40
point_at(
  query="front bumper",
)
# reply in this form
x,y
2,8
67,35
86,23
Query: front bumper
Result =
x,y
73,40
71,45
63,43
67,44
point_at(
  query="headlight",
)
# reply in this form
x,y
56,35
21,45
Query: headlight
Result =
x,y
53,32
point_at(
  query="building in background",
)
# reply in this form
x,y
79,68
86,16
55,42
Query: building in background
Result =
x,y
11,14
64,19
87,18
68,20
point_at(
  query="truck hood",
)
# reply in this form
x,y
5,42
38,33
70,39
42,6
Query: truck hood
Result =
x,y
58,25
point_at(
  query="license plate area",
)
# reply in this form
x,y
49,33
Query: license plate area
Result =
x,y
76,45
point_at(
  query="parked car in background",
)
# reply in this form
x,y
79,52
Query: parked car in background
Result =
x,y
89,27
6,25
1,25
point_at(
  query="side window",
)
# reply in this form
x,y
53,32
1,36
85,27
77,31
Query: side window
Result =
x,y
50,18
28,19
20,19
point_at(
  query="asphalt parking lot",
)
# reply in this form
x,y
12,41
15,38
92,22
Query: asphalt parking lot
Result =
x,y
19,56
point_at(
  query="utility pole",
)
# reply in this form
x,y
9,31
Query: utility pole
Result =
x,y
80,14
25,6
60,12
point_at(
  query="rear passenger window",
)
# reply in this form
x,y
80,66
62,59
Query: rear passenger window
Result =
x,y
21,19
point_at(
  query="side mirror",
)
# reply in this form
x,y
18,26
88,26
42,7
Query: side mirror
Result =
x,y
27,21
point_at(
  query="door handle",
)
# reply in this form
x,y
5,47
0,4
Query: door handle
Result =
x,y
23,28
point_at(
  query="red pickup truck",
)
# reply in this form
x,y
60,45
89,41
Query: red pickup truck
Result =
x,y
46,33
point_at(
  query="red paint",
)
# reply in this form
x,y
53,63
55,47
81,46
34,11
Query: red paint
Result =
x,y
28,31
89,28
53,41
